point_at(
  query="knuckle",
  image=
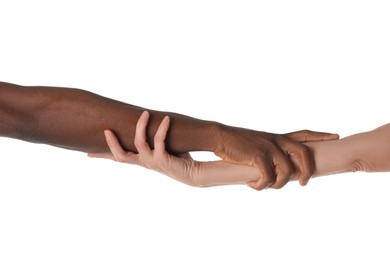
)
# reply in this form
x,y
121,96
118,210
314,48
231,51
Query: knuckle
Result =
x,y
261,154
304,150
158,138
285,169
271,145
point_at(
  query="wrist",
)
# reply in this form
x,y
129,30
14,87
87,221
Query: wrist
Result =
x,y
333,157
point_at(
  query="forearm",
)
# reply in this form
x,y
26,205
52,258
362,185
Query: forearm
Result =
x,y
75,119
367,152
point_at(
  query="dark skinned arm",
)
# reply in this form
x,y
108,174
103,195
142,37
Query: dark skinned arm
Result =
x,y
75,119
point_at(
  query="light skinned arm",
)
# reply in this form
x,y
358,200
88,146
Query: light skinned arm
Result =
x,y
75,119
369,151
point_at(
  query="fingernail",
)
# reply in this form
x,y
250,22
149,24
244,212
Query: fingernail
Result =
x,y
336,136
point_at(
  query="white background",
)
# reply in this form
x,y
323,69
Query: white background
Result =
x,y
276,66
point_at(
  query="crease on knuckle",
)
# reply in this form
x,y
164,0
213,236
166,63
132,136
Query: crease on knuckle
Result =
x,y
158,138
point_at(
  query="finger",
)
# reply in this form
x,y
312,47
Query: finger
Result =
x,y
102,156
307,167
302,158
117,151
284,169
140,135
267,178
159,138
310,136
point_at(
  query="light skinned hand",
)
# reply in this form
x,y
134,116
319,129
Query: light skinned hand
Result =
x,y
183,168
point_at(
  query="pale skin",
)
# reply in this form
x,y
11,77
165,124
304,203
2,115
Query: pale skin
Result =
x,y
75,119
368,152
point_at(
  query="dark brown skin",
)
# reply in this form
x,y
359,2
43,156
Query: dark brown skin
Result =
x,y
76,119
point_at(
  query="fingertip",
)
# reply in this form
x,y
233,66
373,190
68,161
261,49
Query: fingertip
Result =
x,y
145,114
167,121
163,127
164,123
143,119
336,136
94,155
303,182
110,137
108,133
304,178
331,137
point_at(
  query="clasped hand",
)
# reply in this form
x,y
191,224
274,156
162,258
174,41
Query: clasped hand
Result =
x,y
259,159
